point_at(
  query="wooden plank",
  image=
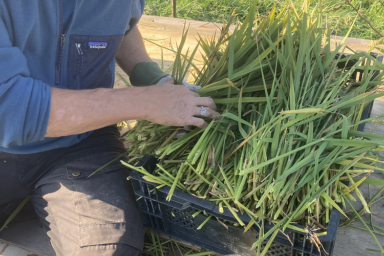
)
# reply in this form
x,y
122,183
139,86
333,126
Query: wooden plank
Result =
x,y
192,23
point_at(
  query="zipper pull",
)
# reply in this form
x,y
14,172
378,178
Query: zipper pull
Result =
x,y
78,48
62,39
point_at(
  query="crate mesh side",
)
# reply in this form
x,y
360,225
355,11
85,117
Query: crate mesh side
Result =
x,y
276,249
155,215
182,218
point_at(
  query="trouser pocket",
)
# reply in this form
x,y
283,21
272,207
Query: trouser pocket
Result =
x,y
108,212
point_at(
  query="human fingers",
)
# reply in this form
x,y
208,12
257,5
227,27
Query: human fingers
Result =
x,y
208,112
164,79
191,87
170,80
206,102
199,122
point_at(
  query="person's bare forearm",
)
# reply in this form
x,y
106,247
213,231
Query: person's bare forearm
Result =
x,y
78,111
74,112
131,51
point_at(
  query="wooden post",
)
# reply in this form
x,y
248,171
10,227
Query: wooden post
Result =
x,y
174,15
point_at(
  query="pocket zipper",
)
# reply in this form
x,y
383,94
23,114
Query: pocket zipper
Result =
x,y
78,48
80,64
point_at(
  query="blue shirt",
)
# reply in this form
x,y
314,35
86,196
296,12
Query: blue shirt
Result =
x,y
68,6
41,48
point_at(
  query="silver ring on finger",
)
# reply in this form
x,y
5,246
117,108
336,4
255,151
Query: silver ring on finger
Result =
x,y
203,111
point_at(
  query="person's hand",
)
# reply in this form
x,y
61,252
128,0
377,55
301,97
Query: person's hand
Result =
x,y
191,87
170,104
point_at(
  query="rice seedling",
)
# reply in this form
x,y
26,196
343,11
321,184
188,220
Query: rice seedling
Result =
x,y
288,135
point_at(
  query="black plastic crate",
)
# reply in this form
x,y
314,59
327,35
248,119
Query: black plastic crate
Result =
x,y
174,218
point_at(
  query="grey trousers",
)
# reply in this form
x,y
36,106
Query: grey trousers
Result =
x,y
83,216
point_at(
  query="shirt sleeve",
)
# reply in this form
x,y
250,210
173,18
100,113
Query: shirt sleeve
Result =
x,y
136,13
24,102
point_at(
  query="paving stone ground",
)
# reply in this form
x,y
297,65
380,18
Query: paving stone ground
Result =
x,y
7,249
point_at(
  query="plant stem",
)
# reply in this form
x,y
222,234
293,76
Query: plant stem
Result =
x,y
361,16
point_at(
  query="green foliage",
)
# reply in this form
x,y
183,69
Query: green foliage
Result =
x,y
339,15
287,135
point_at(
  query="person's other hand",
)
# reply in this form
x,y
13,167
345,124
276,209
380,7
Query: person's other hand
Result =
x,y
191,87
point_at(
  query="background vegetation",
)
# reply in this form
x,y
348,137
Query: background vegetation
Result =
x,y
340,14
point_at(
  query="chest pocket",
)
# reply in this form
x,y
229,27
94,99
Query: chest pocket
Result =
x,y
89,60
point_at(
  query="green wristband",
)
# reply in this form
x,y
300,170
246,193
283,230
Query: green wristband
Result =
x,y
146,73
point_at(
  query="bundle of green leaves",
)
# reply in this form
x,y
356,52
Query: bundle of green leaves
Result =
x,y
288,135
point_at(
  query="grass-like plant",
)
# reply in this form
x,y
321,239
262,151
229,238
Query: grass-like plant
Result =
x,y
288,136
